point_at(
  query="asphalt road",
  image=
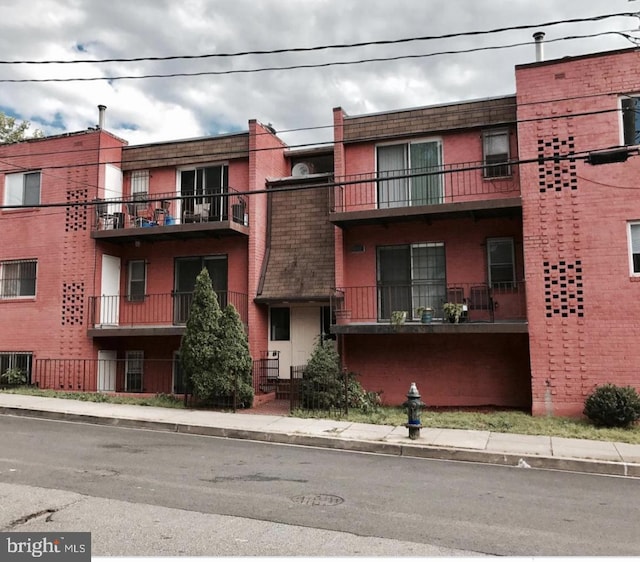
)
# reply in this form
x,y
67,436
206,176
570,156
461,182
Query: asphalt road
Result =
x,y
289,496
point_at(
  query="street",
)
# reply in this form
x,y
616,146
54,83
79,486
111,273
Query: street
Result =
x,y
155,493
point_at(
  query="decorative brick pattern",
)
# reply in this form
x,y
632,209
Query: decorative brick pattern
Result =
x,y
76,215
563,291
556,174
72,304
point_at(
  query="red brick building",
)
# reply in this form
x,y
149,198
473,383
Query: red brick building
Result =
x,y
489,204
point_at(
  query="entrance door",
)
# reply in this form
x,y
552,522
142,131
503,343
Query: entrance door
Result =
x,y
110,290
394,280
107,364
186,271
293,333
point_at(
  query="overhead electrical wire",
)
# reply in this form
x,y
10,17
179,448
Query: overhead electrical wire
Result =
x,y
333,46
582,155
624,34
218,156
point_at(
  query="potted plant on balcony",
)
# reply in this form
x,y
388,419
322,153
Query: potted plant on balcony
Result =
x,y
398,317
452,311
425,313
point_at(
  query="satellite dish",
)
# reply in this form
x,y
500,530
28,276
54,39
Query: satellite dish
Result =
x,y
302,169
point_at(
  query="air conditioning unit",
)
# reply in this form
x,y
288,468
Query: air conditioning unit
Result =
x,y
302,169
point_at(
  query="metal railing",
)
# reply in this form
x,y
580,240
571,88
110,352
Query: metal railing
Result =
x,y
169,209
483,303
265,372
158,376
451,183
164,309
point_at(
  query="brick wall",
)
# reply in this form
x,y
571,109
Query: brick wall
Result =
x,y
187,152
575,229
433,119
54,324
463,370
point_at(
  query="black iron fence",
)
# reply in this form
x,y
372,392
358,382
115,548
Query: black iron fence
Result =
x,y
328,394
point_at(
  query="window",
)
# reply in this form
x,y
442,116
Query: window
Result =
x,y
18,279
22,189
179,386
397,160
134,369
186,271
137,280
501,263
201,189
631,120
280,324
139,183
495,150
410,276
634,247
16,360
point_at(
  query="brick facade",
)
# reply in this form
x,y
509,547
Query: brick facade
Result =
x,y
566,222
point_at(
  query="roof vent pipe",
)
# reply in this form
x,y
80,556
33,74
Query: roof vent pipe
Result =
x,y
538,36
101,110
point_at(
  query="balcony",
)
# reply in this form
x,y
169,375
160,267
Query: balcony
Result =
x,y
468,189
168,216
368,310
156,315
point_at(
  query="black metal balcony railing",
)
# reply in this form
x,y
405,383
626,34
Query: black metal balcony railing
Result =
x,y
165,309
152,376
482,302
451,183
169,209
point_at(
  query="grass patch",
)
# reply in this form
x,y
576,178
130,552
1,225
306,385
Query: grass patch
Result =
x,y
159,400
499,421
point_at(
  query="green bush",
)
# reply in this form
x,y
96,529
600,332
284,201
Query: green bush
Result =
x,y
13,376
325,386
613,406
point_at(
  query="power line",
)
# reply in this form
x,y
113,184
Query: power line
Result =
x,y
305,66
582,155
331,46
226,154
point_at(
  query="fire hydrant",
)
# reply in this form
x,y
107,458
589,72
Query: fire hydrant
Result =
x,y
413,405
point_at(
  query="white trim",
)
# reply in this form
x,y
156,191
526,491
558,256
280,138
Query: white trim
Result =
x,y
632,273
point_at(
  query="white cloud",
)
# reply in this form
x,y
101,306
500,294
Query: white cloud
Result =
x,y
157,109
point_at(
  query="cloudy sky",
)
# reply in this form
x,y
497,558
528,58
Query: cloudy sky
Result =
x,y
222,100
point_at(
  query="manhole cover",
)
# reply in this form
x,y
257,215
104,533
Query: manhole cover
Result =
x,y
318,499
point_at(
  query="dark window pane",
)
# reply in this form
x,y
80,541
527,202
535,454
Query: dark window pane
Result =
x,y
280,324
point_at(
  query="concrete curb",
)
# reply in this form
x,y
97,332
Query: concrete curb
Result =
x,y
590,466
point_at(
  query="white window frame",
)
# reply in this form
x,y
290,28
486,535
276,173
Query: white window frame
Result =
x,y
131,297
134,365
630,228
493,170
15,188
502,284
19,281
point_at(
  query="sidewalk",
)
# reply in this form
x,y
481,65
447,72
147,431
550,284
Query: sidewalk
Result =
x,y
527,451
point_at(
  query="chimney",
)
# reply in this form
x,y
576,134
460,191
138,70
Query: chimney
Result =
x,y
101,110
538,36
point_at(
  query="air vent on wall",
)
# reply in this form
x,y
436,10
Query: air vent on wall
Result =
x,y
302,169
